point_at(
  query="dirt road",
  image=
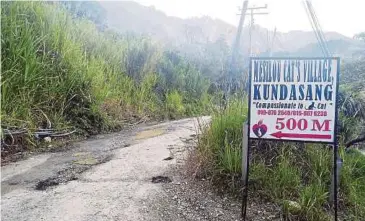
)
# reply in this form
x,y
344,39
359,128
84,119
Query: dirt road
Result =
x,y
107,178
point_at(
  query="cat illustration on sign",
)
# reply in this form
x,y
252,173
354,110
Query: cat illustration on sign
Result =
x,y
310,107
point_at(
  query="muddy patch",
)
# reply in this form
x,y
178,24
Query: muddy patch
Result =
x,y
161,179
62,176
73,172
85,158
150,133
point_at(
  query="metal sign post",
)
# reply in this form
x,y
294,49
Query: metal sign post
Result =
x,y
293,99
335,180
245,165
335,148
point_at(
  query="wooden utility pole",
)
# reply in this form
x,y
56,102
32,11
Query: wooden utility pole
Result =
x,y
236,44
235,49
252,13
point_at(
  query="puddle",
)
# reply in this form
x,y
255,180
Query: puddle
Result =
x,y
150,133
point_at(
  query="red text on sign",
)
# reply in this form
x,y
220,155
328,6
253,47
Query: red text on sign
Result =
x,y
302,124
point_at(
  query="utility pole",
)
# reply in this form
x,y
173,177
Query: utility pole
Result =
x,y
237,41
235,50
252,13
236,44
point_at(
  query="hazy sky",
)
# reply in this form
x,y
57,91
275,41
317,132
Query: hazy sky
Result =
x,y
344,16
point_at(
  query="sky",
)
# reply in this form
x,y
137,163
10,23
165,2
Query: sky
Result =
x,y
343,16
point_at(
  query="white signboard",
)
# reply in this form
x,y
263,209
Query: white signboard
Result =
x,y
293,99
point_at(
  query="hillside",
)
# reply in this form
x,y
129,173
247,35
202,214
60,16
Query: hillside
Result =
x,y
60,71
128,16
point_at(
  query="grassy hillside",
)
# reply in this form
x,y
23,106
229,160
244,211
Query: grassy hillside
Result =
x,y
62,70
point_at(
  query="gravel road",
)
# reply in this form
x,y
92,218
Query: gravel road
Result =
x,y
131,175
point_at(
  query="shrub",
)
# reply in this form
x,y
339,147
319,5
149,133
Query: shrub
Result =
x,y
174,105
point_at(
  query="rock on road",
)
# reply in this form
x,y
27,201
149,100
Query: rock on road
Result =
x,y
108,178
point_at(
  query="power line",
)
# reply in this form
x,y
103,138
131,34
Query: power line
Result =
x,y
313,19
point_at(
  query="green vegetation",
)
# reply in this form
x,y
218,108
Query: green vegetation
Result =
x,y
61,64
295,176
352,184
222,142
58,67
352,101
174,104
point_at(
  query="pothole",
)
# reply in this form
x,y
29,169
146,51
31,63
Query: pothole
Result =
x,y
62,176
43,185
161,179
70,173
168,158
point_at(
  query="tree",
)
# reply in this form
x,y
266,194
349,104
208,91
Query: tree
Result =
x,y
360,36
352,101
91,10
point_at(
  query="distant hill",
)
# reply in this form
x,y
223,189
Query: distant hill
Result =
x,y
341,47
128,16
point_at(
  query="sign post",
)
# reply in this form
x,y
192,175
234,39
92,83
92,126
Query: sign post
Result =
x,y
245,161
294,99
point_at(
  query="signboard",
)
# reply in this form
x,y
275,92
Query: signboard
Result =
x,y
293,99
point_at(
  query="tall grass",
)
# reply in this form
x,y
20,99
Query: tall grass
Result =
x,y
353,184
64,69
221,143
283,173
174,104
